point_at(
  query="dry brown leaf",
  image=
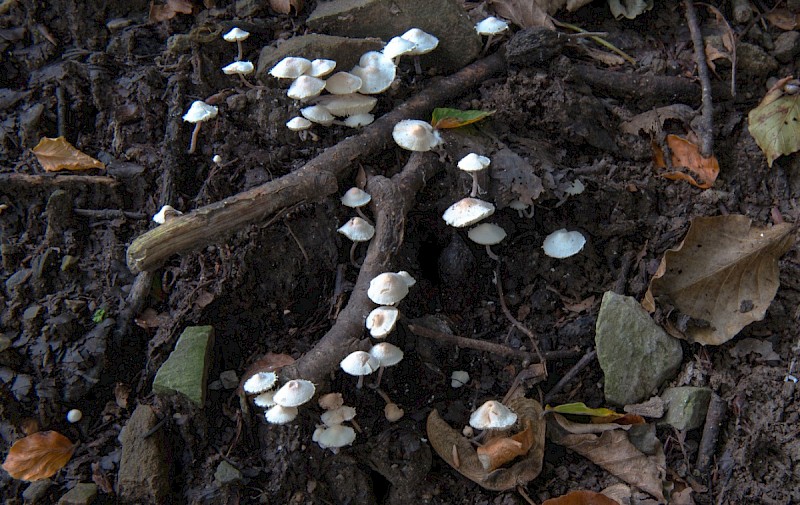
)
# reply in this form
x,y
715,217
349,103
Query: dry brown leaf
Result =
x,y
499,451
459,453
38,456
608,446
723,276
652,121
581,498
286,6
783,19
527,13
686,154
169,10
58,154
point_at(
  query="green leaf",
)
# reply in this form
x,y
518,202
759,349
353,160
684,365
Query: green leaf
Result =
x,y
99,315
455,118
580,409
775,126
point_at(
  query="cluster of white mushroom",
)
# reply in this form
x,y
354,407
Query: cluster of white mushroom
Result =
x,y
282,404
359,228
332,433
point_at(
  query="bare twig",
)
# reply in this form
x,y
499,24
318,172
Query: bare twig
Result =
x,y
521,327
717,409
573,372
706,128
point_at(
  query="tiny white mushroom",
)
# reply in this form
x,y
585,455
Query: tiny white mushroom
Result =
x,y
297,124
381,321
338,415
387,355
334,437
265,399
492,415
490,26
355,198
467,211
396,47
74,415
358,230
423,44
359,364
197,114
278,414
376,71
305,87
236,35
290,67
294,393
331,401
459,378
166,213
523,210
347,105
260,382
321,68
487,234
317,114
472,164
391,411
575,188
416,135
240,68
358,120
563,244
343,83
387,288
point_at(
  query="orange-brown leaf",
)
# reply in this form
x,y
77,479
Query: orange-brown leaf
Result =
x,y
38,456
581,498
286,6
169,10
499,451
58,154
686,154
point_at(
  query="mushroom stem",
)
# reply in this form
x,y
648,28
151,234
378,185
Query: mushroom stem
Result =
x,y
353,255
475,186
360,382
241,52
195,132
380,376
491,254
383,395
247,83
363,216
417,66
488,43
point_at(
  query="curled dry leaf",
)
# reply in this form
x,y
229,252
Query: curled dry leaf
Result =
x,y
501,450
686,154
38,456
721,278
459,453
169,10
581,498
58,154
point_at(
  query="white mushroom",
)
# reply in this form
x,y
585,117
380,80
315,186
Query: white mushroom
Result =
x,y
355,198
387,355
317,114
423,44
197,114
236,35
563,244
74,416
388,288
290,67
458,378
320,68
487,234
165,214
467,211
265,399
472,164
260,382
305,87
359,364
490,26
240,68
523,210
396,47
416,135
492,415
358,120
381,321
343,83
301,125
334,437
347,105
294,393
338,415
392,412
358,230
376,72
278,414
331,401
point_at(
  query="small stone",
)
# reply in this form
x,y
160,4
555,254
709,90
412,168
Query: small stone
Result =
x,y
229,379
686,407
753,62
32,312
82,494
68,262
787,46
36,490
143,475
226,474
186,369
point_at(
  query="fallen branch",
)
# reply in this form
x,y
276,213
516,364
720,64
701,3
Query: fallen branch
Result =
x,y
313,182
706,125
571,374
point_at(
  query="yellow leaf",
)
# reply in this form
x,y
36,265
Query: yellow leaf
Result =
x,y
580,408
58,154
38,456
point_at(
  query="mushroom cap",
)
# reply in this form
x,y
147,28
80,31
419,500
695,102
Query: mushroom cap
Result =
x,y
320,68
387,288
338,415
331,401
415,135
355,197
357,230
295,392
305,87
290,67
317,114
423,42
410,281
575,188
334,436
343,83
398,46
265,399
347,105
387,354
487,234
458,378
278,414
491,26
238,67
381,321
236,35
492,415
297,124
167,211
563,244
467,211
376,71
518,205
200,111
473,162
392,412
359,120
260,382
359,363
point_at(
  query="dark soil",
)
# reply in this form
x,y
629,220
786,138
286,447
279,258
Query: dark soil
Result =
x,y
115,86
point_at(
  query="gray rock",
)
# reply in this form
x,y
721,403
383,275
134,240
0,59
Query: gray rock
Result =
x,y
459,43
82,494
36,491
753,62
787,46
229,379
636,355
686,407
343,50
143,472
186,369
226,474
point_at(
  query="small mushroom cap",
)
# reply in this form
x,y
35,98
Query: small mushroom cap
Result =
x,y
398,46
236,35
518,205
410,281
357,230
387,354
392,412
491,26
347,105
415,135
238,67
305,87
74,415
387,289
355,197
575,188
295,392
487,234
381,321
297,124
321,68
290,67
343,83
359,120
376,71
359,363
317,114
278,414
265,399
459,378
260,382
492,415
467,211
473,162
563,244
423,42
331,401
166,212
338,415
334,436
200,111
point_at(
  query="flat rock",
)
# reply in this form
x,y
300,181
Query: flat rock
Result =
x,y
345,51
186,369
787,46
82,494
143,472
36,490
226,474
636,355
459,43
686,407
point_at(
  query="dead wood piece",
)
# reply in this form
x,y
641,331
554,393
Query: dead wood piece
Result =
x,y
706,125
717,408
314,181
13,182
391,200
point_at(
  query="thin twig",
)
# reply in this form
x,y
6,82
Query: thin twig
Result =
x,y
573,372
109,214
297,241
603,42
706,128
521,327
